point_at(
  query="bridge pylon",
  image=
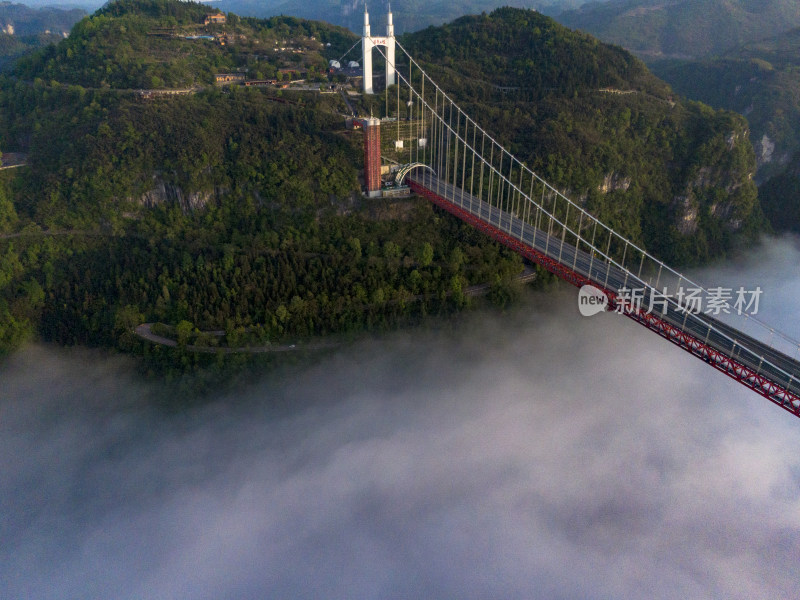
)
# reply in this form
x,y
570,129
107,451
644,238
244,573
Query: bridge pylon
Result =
x,y
368,42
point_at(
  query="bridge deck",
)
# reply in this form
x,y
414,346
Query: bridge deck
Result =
x,y
752,362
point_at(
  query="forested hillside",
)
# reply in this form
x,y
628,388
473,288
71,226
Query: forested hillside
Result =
x,y
128,45
238,209
683,28
14,46
21,20
760,80
672,175
23,29
233,209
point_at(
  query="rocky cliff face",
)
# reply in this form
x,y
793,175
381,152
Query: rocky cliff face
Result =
x,y
686,213
168,193
614,181
721,188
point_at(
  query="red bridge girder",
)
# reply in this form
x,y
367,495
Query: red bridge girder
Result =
x,y
760,384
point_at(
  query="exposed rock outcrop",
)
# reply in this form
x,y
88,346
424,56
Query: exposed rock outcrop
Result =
x,y
686,214
613,182
164,192
765,148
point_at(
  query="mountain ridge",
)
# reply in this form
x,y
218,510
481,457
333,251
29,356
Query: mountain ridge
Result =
x,y
680,28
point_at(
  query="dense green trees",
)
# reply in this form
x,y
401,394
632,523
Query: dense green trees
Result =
x,y
251,270
526,50
143,44
591,119
8,216
100,156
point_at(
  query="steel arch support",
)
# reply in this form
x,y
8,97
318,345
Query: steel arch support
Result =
x,y
406,170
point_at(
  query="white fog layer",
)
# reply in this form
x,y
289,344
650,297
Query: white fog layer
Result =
x,y
527,454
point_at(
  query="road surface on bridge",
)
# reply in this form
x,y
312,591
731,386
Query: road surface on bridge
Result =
x,y
727,340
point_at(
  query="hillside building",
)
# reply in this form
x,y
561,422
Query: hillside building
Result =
x,y
228,78
215,19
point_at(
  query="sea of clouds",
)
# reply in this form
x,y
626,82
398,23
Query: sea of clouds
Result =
x,y
529,454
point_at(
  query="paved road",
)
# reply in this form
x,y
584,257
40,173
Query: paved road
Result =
x,y
145,331
745,349
13,160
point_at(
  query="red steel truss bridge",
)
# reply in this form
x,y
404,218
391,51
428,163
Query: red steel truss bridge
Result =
x,y
459,167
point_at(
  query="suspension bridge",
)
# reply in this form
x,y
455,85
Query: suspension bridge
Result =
x,y
461,168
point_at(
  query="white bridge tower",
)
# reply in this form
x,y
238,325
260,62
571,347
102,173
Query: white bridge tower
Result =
x,y
368,43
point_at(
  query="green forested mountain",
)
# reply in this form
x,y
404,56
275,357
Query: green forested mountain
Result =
x,y
739,55
238,208
23,29
683,28
762,81
14,46
22,20
759,80
128,45
671,175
